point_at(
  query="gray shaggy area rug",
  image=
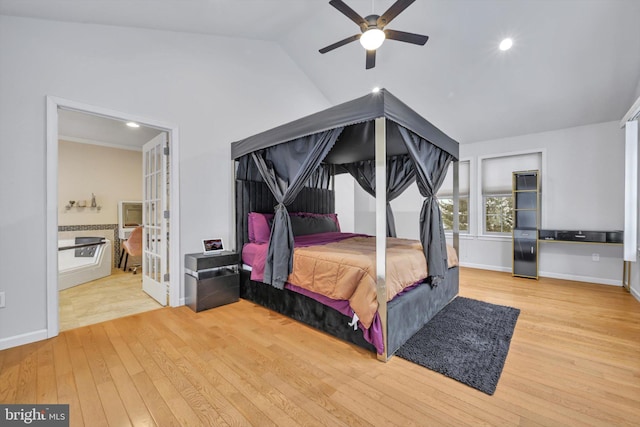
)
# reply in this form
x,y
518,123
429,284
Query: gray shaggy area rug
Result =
x,y
468,340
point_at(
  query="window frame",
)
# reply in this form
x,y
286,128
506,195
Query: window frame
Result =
x,y
460,231
480,204
484,215
470,196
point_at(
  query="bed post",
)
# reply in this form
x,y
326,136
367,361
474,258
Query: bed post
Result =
x,y
381,228
456,207
233,226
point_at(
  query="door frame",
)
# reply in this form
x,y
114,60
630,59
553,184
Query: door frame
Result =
x,y
53,103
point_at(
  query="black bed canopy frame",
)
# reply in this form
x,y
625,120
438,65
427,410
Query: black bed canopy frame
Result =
x,y
371,128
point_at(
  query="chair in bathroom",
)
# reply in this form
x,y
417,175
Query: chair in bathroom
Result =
x,y
132,246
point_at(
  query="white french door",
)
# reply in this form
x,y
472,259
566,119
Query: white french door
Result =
x,y
155,218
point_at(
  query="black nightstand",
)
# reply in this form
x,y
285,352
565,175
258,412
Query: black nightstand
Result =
x,y
211,280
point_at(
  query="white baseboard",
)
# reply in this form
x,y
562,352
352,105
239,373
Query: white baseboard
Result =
x,y
575,278
485,267
22,339
635,293
572,277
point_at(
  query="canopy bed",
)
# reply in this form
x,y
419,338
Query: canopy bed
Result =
x,y
374,291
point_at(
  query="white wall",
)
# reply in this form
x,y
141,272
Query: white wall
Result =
x,y
111,174
217,90
345,205
583,188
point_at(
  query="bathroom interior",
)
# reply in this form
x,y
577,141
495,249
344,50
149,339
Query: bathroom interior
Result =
x,y
99,204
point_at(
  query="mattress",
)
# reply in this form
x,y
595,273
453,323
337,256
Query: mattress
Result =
x,y
342,267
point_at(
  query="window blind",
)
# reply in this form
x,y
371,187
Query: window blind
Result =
x,y
463,181
497,171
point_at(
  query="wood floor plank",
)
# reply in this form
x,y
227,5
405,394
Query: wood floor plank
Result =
x,y
27,375
131,399
317,363
10,373
207,414
308,409
112,404
323,391
46,392
185,404
246,376
90,403
574,360
240,384
65,380
252,403
265,362
129,361
158,408
298,355
178,404
97,364
227,412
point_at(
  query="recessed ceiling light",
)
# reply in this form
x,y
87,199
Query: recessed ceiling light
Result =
x,y
506,44
375,89
133,125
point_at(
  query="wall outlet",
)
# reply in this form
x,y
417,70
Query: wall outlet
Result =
x,y
2,300
595,257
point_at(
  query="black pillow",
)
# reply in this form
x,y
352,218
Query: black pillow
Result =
x,y
303,225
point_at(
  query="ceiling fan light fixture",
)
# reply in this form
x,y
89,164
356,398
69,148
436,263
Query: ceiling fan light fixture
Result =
x,y
372,38
506,44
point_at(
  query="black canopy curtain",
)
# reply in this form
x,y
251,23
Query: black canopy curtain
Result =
x,y
400,175
286,156
430,164
286,168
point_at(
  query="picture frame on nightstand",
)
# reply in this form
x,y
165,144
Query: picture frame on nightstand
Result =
x,y
212,245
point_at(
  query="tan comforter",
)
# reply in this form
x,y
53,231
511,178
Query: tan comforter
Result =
x,y
346,270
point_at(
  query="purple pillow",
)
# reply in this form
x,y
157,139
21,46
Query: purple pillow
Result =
x,y
259,227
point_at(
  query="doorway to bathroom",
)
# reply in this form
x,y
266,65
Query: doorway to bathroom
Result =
x,y
92,164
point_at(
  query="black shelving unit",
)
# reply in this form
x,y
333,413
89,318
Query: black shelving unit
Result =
x,y
526,213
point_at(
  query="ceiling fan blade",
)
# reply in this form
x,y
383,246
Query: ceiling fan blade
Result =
x,y
349,13
371,59
393,11
340,43
406,37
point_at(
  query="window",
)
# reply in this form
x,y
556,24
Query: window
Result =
x,y
445,198
446,208
498,213
497,196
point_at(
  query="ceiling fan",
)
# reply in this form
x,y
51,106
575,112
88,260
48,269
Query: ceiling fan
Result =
x,y
373,32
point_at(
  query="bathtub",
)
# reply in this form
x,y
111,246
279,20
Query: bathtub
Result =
x,y
77,266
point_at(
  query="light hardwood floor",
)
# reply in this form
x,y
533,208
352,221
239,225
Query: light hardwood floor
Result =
x,y
574,360
103,299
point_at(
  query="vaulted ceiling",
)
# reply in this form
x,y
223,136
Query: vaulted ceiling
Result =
x,y
573,62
